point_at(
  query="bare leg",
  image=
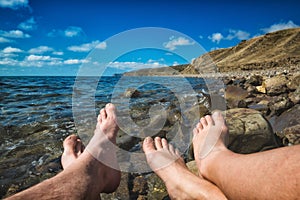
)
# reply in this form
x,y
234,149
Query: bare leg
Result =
x,y
271,174
84,177
167,163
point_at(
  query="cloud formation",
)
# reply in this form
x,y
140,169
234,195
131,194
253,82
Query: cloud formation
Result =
x,y
14,34
5,40
40,50
28,25
71,31
233,34
175,42
9,50
13,4
88,46
280,26
216,37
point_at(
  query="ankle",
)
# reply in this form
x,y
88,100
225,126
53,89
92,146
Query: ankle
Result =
x,y
209,164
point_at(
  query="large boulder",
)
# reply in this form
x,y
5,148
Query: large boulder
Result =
x,y
249,131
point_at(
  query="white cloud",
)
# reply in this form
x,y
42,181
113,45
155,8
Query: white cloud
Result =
x,y
88,46
238,34
101,45
233,34
174,42
13,4
38,58
216,37
58,53
135,65
40,50
280,26
28,25
73,31
5,40
75,61
14,34
9,50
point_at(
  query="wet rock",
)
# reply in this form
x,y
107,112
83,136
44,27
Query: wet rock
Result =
x,y
140,186
157,188
122,191
276,85
248,131
132,93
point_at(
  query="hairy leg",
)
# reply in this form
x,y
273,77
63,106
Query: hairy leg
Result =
x,y
167,163
84,176
271,174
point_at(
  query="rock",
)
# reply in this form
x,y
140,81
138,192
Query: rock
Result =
x,y
249,132
295,96
280,104
132,93
157,188
261,89
122,191
294,82
192,165
255,80
140,185
235,96
291,135
287,119
276,85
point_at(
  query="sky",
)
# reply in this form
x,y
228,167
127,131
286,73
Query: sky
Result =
x,y
65,38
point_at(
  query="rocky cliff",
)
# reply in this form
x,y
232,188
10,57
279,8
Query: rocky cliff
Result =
x,y
277,50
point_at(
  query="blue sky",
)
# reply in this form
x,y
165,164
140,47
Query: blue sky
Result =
x,y
51,37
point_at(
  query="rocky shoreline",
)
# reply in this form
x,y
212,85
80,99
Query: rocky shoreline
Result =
x,y
262,114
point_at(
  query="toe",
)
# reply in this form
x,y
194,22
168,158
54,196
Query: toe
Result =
x,y
102,114
172,149
199,126
218,118
203,121
209,120
158,143
164,143
70,142
110,110
79,147
148,145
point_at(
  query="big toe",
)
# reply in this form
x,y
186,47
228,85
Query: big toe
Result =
x,y
69,144
110,110
218,118
148,145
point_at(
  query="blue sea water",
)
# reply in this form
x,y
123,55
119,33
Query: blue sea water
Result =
x,y
37,113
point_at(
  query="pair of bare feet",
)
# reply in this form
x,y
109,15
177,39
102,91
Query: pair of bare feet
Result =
x,y
162,157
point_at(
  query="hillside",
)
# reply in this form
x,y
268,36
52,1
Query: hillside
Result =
x,y
279,49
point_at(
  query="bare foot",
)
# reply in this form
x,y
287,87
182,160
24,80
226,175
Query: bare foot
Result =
x,y
167,163
208,139
73,148
102,146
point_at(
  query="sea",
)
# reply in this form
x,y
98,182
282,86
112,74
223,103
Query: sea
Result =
x,y
37,113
